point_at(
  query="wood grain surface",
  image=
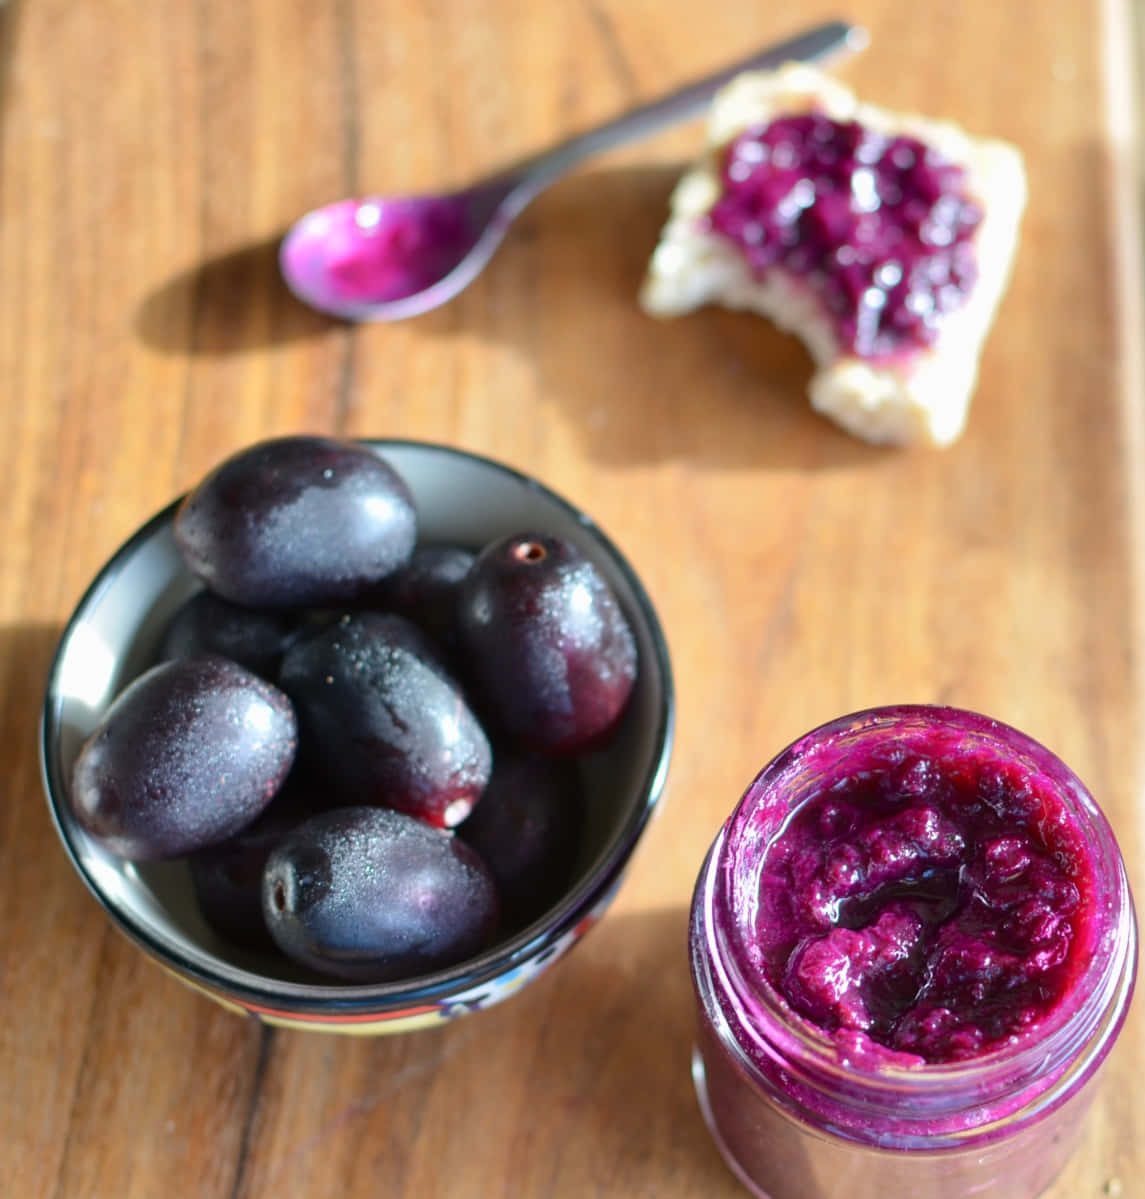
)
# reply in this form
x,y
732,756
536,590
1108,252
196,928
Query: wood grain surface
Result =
x,y
151,156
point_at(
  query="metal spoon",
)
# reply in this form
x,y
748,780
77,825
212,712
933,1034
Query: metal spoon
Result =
x,y
383,258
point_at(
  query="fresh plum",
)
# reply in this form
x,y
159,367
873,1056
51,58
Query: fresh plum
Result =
x,y
373,895
384,722
427,589
185,756
527,829
296,522
549,650
253,637
227,877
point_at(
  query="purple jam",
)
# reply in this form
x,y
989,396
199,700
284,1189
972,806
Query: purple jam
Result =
x,y
935,907
912,944
376,251
879,227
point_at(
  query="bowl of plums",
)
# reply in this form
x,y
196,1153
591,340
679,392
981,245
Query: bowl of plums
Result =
x,y
358,735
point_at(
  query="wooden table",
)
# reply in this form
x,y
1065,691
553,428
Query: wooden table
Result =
x,y
152,153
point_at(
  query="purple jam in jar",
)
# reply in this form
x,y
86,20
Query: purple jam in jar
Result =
x,y
937,911
878,227
912,945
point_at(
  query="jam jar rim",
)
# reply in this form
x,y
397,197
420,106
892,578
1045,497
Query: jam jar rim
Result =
x,y
1072,1041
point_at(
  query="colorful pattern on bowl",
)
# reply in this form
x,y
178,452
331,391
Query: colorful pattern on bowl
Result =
x,y
427,1015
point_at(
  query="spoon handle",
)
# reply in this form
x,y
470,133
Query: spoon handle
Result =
x,y
689,101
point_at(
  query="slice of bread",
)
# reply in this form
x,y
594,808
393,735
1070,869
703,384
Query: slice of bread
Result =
x,y
918,396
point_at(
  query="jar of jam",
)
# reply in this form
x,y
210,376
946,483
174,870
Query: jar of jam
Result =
x,y
913,944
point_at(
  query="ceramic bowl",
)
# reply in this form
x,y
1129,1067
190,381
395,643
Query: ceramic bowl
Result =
x,y
112,637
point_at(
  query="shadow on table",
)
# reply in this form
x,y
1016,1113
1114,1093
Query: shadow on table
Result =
x,y
26,653
9,22
583,1081
227,305
713,386
613,1069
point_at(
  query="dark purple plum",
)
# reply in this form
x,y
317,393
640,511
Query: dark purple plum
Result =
x,y
382,720
427,589
550,653
253,637
297,522
527,828
373,895
185,756
227,877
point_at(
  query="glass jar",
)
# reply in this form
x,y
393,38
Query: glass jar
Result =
x,y
801,1113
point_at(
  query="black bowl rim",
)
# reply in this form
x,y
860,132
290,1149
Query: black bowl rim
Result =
x,y
531,944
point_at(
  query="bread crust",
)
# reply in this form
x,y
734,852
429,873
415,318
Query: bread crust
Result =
x,y
921,396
